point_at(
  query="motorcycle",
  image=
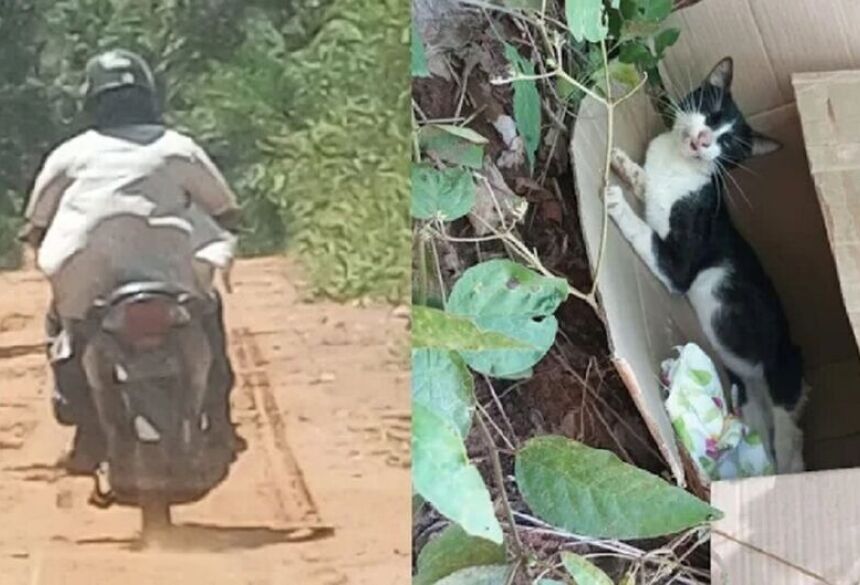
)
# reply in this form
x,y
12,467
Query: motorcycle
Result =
x,y
162,410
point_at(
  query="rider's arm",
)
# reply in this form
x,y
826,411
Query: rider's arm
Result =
x,y
48,189
207,187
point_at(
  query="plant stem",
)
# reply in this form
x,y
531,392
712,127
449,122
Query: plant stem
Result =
x,y
439,274
610,130
423,269
500,481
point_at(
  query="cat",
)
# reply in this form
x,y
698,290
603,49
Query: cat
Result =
x,y
689,242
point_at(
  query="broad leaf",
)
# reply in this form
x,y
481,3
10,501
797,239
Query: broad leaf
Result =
x,y
566,90
629,9
503,296
593,492
452,551
527,112
665,39
637,53
624,74
419,57
490,575
655,10
638,29
453,145
442,383
442,474
583,571
440,330
463,132
586,20
447,194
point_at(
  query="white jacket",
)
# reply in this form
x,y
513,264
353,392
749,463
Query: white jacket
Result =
x,y
133,203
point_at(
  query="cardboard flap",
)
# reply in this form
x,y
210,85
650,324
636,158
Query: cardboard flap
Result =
x,y
644,322
788,530
769,40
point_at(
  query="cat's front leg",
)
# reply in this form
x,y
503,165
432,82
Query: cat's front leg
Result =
x,y
634,229
628,171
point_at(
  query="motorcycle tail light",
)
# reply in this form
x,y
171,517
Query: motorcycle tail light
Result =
x,y
145,323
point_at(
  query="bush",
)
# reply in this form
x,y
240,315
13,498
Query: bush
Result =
x,y
286,97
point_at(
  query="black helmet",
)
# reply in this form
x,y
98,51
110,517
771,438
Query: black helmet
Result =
x,y
117,69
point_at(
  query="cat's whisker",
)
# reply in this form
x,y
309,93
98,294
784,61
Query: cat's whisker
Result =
x,y
743,167
739,189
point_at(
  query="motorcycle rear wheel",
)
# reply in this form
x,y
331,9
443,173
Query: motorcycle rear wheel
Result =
x,y
155,518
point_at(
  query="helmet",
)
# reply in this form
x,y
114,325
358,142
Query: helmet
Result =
x,y
116,69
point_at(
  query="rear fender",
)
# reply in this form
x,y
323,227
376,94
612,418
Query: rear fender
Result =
x,y
105,361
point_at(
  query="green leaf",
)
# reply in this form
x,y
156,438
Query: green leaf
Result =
x,y
585,19
440,330
590,491
629,9
583,571
448,194
489,575
452,551
624,74
550,582
637,53
452,146
442,383
503,296
638,29
566,90
615,22
419,57
655,10
665,39
442,474
463,132
527,112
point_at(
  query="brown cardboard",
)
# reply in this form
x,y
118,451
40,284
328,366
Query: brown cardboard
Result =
x,y
788,530
777,209
829,104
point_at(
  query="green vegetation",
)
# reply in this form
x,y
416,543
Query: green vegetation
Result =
x,y
496,320
296,101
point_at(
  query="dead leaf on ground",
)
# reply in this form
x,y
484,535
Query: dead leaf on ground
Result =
x,y
495,204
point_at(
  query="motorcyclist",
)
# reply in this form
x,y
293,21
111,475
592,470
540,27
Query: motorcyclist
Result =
x,y
126,196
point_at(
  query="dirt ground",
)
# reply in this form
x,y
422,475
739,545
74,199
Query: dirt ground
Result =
x,y
322,496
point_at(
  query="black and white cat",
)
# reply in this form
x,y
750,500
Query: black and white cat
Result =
x,y
689,242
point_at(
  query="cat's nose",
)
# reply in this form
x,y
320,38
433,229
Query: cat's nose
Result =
x,y
704,138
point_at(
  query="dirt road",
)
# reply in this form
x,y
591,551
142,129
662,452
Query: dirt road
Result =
x,y
320,497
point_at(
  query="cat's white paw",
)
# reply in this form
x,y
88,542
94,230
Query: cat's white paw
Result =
x,y
618,161
614,200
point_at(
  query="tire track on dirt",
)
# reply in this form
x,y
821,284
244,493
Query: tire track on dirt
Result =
x,y
254,380
265,524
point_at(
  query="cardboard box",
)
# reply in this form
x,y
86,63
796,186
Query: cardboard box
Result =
x,y
776,207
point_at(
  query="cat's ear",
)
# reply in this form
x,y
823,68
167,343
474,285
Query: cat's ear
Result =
x,y
721,75
762,145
